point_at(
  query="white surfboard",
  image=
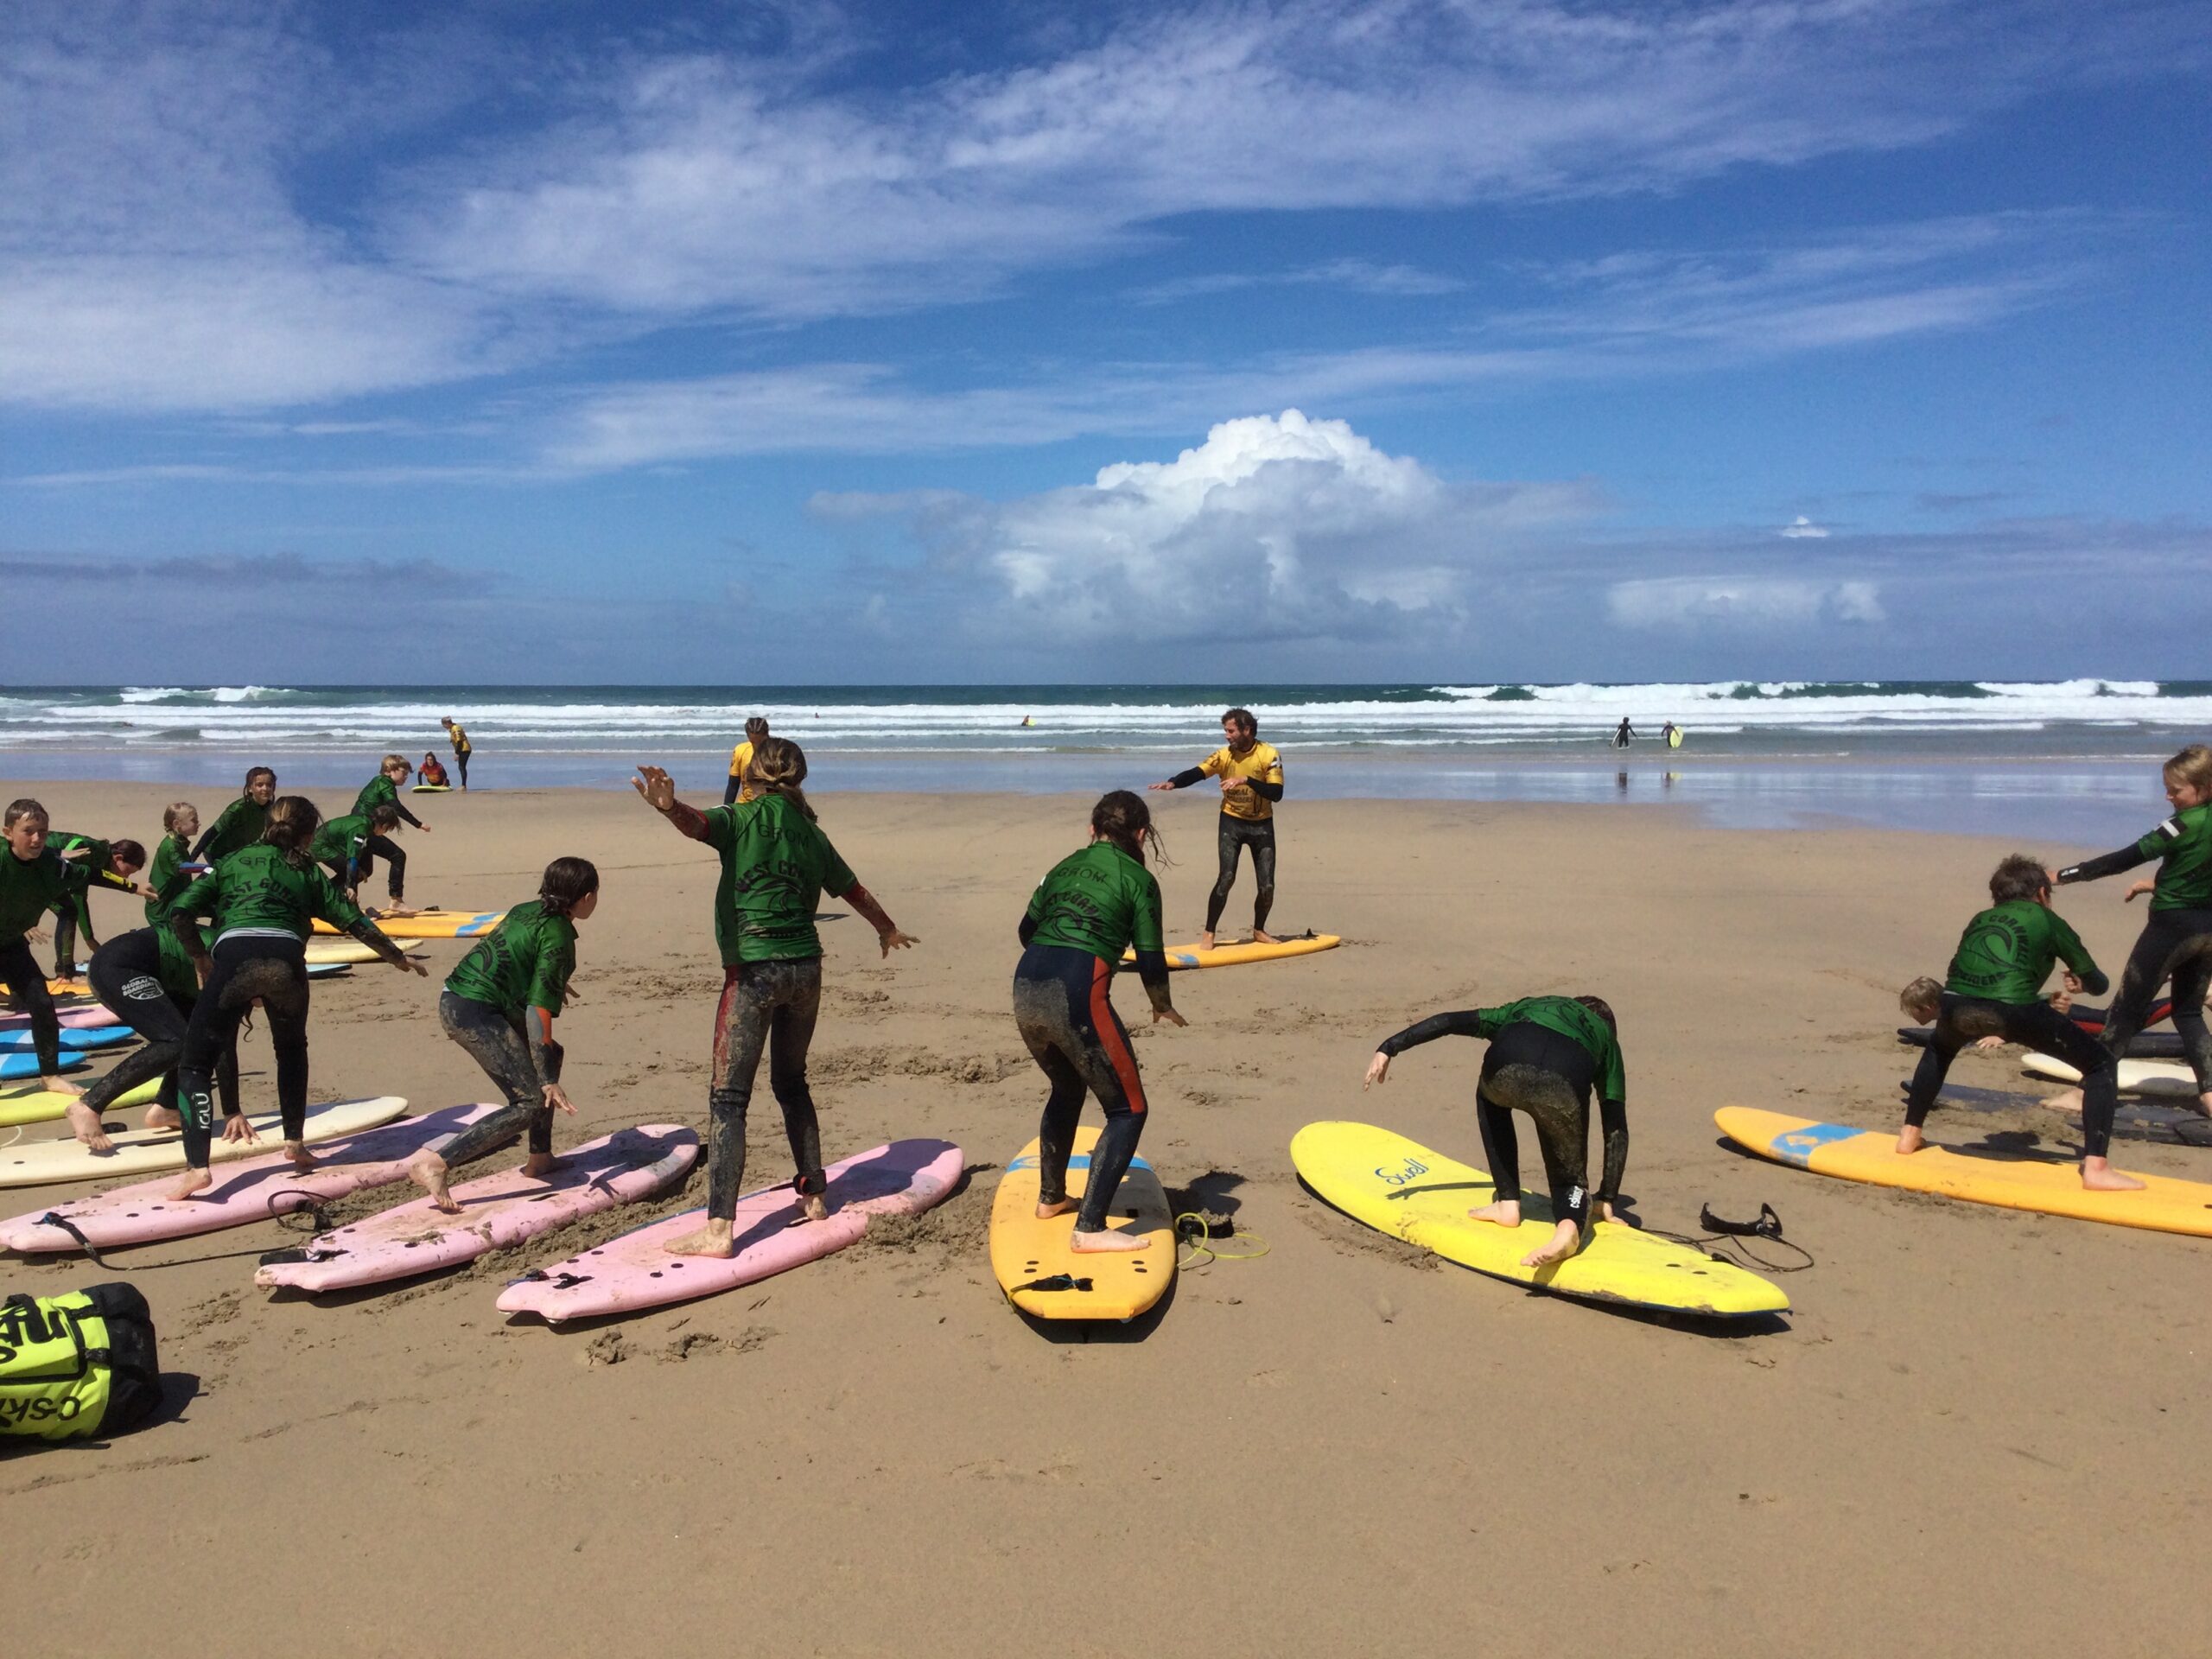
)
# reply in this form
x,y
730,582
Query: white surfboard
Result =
x,y
148,1152
2136,1077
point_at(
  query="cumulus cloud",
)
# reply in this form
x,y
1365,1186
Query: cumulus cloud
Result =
x,y
1803,529
1746,603
1275,528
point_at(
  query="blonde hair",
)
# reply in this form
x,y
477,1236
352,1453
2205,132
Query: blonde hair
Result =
x,y
2193,767
173,814
1922,998
293,820
778,765
399,760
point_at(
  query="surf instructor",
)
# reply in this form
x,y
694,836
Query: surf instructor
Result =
x,y
1250,773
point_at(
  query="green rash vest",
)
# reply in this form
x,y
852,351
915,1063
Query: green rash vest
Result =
x,y
1099,900
236,828
30,888
261,889
177,974
523,964
340,839
172,852
2183,842
2006,951
776,865
1570,1019
379,791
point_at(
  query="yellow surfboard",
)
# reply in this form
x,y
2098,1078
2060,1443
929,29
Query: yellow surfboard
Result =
x,y
2049,1183
321,952
29,1104
433,924
1041,1275
1231,956
1401,1187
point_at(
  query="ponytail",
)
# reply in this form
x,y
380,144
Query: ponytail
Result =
x,y
566,884
1122,817
293,820
778,765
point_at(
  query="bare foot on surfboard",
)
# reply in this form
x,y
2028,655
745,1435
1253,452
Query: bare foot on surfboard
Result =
x,y
302,1159
429,1172
814,1207
192,1181
713,1239
163,1117
85,1124
1205,940
2099,1176
1566,1239
1058,1207
1260,936
540,1166
1506,1212
1107,1241
1909,1140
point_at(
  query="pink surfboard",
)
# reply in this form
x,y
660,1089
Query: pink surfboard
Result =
x,y
635,1271
77,1019
252,1189
498,1212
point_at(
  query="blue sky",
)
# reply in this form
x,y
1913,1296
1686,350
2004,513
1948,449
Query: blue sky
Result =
x,y
777,343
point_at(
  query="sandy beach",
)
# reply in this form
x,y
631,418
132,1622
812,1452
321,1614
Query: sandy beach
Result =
x,y
1977,1432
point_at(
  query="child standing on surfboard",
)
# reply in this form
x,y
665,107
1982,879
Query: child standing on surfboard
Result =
x,y
1091,905
500,1004
776,865
1995,989
1251,783
2176,939
1546,1056
267,897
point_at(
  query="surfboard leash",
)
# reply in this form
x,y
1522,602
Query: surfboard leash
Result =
x,y
1766,1225
1195,1233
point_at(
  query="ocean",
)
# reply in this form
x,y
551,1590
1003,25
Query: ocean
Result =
x,y
2074,760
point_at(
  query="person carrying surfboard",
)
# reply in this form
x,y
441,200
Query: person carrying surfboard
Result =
x,y
34,879
2176,939
267,898
239,825
500,1004
776,865
1251,783
462,748
1091,905
1995,989
1546,1055
383,790
73,915
145,979
741,757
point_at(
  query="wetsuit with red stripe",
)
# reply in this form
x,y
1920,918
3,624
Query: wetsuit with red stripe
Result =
x,y
1094,905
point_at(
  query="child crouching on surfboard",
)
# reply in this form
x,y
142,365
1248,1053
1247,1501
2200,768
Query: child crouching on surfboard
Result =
x,y
500,1004
1091,906
1546,1055
776,865
1995,989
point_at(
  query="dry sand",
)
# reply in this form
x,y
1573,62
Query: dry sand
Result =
x,y
1977,1432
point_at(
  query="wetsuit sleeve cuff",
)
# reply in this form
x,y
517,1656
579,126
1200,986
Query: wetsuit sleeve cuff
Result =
x,y
2096,869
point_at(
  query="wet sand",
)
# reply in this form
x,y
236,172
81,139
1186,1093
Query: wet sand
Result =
x,y
1977,1432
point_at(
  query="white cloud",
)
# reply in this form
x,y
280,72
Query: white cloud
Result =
x,y
1276,527
1803,529
1745,603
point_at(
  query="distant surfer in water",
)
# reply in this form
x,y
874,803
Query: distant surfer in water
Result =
x,y
499,1005
1995,988
2176,939
1091,905
1623,734
1546,1055
776,865
1671,735
1251,783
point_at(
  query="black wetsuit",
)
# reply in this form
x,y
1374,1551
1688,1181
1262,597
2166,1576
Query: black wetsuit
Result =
x,y
1533,1066
148,983
1091,905
1249,826
2175,943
